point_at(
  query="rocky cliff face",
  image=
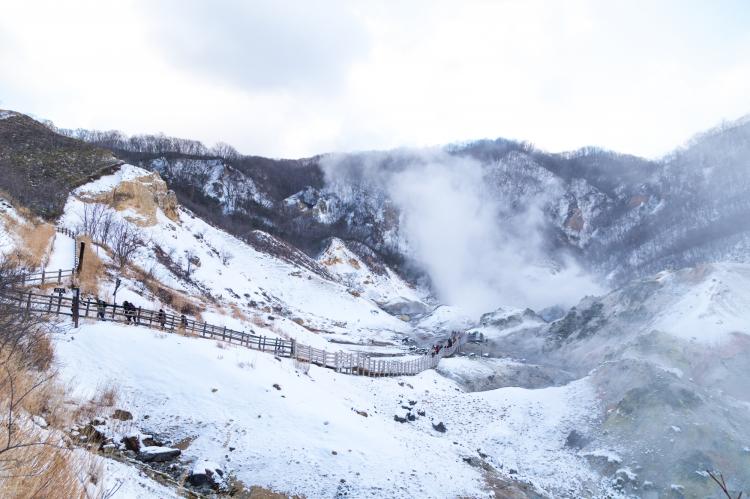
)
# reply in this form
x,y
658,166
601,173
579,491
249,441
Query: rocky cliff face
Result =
x,y
622,216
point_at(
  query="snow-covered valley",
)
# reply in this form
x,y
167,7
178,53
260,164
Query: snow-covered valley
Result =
x,y
638,391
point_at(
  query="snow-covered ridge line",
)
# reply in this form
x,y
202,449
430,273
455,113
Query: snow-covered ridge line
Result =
x,y
342,362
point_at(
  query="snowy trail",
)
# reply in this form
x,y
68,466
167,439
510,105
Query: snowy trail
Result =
x,y
357,363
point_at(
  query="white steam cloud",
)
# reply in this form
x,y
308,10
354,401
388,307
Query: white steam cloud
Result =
x,y
479,253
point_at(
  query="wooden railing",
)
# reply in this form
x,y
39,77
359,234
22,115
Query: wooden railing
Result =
x,y
41,278
343,362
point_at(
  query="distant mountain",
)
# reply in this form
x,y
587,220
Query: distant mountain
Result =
x,y
622,216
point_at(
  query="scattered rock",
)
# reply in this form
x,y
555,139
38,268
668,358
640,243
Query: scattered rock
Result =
x,y
152,442
421,412
214,390
361,413
277,386
411,417
157,454
334,453
122,415
132,443
207,473
440,427
90,434
400,419
576,440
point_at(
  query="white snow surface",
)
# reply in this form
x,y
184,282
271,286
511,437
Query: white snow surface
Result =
x,y
285,439
63,253
127,482
706,304
109,182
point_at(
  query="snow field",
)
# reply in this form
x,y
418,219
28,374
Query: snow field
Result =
x,y
307,437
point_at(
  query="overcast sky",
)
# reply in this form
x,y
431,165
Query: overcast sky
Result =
x,y
291,79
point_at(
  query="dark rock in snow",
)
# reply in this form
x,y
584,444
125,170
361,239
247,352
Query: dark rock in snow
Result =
x,y
399,419
157,454
576,441
132,443
152,442
277,386
207,474
122,415
439,427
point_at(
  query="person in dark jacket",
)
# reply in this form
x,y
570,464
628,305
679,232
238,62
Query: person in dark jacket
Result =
x,y
101,307
162,318
126,310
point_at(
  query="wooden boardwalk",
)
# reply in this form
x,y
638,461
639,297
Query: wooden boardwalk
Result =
x,y
344,362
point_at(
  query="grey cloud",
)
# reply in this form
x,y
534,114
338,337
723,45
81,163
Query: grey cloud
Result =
x,y
261,45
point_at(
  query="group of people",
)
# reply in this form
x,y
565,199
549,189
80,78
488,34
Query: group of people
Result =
x,y
452,340
132,315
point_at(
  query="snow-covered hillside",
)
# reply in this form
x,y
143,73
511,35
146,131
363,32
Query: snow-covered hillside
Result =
x,y
670,356
635,393
280,287
324,434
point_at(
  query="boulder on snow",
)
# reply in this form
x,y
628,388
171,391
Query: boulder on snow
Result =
x,y
439,427
156,454
132,443
122,415
207,473
576,440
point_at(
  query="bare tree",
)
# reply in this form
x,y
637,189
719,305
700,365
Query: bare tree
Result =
x,y
225,256
124,241
224,150
192,261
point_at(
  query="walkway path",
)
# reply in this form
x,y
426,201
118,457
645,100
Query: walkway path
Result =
x,y
344,362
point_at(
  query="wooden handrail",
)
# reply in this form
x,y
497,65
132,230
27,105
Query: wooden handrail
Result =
x,y
343,362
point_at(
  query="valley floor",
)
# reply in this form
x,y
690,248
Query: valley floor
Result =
x,y
309,435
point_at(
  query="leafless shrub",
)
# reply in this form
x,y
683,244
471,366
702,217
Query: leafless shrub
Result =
x,y
723,485
225,256
124,241
191,257
34,462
